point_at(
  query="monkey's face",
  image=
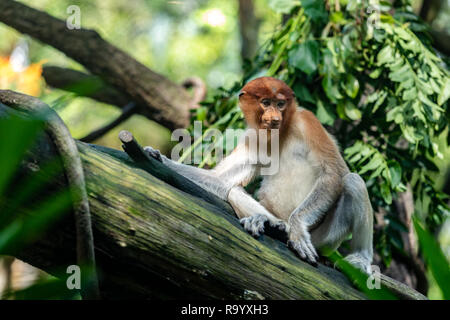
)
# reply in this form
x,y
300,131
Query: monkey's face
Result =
x,y
267,103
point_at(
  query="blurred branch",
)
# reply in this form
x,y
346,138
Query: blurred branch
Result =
x,y
83,84
248,26
428,12
430,9
158,98
441,41
405,207
87,85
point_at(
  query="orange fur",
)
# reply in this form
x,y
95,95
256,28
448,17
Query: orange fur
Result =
x,y
266,87
302,123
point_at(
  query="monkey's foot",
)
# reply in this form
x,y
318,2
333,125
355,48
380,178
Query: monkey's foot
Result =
x,y
254,224
304,249
155,154
360,262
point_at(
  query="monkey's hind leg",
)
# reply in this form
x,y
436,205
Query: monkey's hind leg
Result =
x,y
354,215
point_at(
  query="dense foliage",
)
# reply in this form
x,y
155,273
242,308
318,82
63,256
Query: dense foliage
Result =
x,y
370,75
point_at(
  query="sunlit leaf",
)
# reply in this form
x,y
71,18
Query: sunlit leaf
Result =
x,y
435,258
305,56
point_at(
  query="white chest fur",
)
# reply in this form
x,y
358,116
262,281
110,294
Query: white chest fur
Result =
x,y
285,190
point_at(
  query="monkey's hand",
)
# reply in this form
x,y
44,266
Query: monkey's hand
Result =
x,y
155,154
300,242
257,223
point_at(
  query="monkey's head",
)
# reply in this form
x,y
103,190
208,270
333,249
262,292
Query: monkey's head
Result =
x,y
267,103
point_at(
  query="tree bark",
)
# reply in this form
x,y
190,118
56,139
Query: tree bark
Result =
x,y
159,98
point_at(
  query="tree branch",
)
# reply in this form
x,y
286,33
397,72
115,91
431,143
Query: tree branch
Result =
x,y
158,98
83,84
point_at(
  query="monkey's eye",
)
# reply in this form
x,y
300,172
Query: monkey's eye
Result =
x,y
281,104
265,102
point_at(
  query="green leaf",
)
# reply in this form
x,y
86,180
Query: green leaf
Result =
x,y
351,86
201,113
401,74
435,258
386,193
361,279
283,6
305,56
315,10
376,73
302,93
324,115
50,289
426,100
396,173
408,132
374,163
410,94
383,95
351,111
21,134
24,230
385,55
331,90
337,17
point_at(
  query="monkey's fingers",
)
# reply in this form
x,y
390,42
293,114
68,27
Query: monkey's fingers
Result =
x,y
155,154
303,251
254,224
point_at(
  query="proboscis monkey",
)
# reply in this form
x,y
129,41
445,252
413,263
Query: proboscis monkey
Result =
x,y
313,196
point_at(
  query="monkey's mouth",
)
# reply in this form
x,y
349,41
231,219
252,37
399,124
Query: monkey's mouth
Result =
x,y
270,126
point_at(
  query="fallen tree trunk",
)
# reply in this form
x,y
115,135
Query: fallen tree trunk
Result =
x,y
155,241
158,98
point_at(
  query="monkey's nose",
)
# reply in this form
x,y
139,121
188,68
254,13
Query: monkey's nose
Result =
x,y
275,122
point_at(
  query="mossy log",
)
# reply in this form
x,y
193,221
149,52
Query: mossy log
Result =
x,y
155,241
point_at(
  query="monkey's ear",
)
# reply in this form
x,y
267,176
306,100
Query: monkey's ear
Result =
x,y
242,93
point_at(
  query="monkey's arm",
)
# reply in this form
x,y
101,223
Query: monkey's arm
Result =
x,y
227,181
234,170
206,179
